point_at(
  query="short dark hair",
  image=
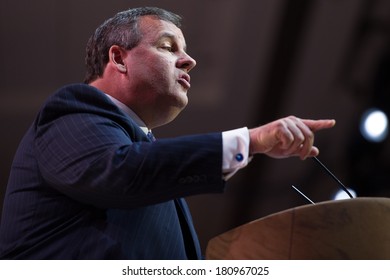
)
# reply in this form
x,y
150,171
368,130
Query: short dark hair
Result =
x,y
122,30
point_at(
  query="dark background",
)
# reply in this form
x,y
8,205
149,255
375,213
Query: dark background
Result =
x,y
257,61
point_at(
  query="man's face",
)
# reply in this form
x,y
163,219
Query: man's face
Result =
x,y
158,70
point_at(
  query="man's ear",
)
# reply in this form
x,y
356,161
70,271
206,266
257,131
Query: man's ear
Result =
x,y
116,56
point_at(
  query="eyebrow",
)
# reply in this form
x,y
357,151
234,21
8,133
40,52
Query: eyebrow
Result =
x,y
173,37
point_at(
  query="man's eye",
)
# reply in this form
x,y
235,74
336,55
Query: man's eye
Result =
x,y
168,48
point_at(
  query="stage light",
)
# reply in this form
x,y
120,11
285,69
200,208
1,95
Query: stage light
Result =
x,y
374,125
343,195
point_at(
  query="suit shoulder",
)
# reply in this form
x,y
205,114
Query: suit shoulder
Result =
x,y
76,99
78,93
79,97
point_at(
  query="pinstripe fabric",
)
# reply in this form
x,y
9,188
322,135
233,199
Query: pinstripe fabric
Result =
x,y
86,183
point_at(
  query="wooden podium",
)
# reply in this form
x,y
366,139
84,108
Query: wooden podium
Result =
x,y
356,228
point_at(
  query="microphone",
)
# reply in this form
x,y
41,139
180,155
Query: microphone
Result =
x,y
344,188
333,176
301,193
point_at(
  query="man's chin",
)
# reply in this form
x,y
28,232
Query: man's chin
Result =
x,y
181,101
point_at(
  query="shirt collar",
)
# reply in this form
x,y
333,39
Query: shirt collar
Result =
x,y
130,113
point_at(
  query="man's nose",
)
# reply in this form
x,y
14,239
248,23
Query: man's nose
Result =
x,y
186,62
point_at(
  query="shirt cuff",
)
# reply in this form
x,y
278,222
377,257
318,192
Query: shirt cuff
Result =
x,y
235,151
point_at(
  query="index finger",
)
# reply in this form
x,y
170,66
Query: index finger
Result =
x,y
316,125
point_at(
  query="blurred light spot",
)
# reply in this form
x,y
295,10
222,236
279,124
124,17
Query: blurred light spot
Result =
x,y
343,195
374,125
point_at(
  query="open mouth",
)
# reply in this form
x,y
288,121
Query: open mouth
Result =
x,y
184,81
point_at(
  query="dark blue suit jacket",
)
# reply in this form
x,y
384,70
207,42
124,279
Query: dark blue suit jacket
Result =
x,y
86,183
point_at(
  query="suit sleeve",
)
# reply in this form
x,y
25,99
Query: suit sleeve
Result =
x,y
94,159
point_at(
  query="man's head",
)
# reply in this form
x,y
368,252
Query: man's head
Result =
x,y
139,57
122,30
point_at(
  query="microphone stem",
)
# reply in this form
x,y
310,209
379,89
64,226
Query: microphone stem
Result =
x,y
333,176
301,193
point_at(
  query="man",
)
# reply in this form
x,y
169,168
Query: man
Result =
x,y
88,183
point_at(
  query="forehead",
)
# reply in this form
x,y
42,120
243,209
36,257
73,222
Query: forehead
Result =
x,y
153,29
